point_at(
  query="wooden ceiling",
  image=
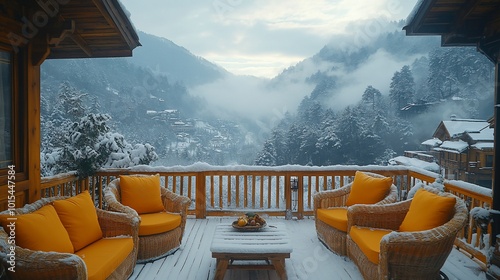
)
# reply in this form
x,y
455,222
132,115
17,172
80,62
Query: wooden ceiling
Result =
x,y
69,28
459,23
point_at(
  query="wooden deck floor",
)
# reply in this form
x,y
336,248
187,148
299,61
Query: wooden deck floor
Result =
x,y
309,260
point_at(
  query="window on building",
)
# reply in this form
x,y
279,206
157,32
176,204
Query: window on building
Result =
x,y
6,105
489,161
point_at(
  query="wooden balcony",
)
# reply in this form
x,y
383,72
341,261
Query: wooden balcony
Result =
x,y
228,191
310,259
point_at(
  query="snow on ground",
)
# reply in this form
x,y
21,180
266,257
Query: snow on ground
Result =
x,y
310,259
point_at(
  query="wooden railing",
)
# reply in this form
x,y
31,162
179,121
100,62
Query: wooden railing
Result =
x,y
232,190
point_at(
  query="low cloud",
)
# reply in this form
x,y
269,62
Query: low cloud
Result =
x,y
377,71
251,98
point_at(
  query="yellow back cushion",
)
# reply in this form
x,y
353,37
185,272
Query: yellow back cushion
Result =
x,y
79,217
40,230
141,193
366,189
427,211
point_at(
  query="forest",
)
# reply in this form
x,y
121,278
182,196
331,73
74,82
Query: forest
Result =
x,y
456,81
113,113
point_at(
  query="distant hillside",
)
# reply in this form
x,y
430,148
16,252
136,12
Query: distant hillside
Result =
x,y
192,110
178,64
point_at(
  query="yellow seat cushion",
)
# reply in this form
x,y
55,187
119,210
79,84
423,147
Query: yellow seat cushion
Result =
x,y
155,223
105,255
335,217
368,241
427,210
79,217
40,230
366,189
141,193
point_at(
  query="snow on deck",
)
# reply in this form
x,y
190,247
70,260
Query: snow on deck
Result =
x,y
309,260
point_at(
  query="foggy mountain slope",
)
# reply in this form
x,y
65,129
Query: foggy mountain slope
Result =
x,y
177,63
229,118
374,101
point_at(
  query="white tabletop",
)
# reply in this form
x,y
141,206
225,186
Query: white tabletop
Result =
x,y
271,239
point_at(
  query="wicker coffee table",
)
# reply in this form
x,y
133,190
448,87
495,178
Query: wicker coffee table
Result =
x,y
271,245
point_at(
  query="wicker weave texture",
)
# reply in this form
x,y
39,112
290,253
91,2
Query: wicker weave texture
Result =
x,y
152,247
333,238
51,265
405,255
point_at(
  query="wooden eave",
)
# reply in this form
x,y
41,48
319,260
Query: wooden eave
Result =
x,y
459,23
441,132
75,29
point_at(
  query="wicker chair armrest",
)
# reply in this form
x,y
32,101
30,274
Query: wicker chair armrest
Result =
x,y
432,246
383,216
175,203
332,198
118,224
29,264
112,203
392,197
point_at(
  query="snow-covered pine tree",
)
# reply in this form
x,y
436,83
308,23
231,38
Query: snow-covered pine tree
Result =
x,y
84,143
402,88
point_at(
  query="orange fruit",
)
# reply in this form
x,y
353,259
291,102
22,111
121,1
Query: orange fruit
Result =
x,y
242,222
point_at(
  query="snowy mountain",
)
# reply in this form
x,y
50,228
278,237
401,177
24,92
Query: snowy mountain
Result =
x,y
319,111
177,63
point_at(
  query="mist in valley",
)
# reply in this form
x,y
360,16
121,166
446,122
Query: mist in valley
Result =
x,y
190,110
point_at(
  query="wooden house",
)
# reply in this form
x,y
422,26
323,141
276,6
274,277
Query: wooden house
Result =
x,y
466,150
32,31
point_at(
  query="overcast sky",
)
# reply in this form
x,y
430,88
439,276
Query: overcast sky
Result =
x,y
257,37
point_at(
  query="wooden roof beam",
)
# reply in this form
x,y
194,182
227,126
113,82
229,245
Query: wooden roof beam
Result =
x,y
117,17
60,32
458,25
82,44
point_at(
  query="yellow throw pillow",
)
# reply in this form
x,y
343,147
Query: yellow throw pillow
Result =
x,y
141,193
79,217
366,189
427,211
40,230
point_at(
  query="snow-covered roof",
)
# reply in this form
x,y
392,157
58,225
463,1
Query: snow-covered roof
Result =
x,y
459,126
434,142
486,134
453,146
406,161
483,146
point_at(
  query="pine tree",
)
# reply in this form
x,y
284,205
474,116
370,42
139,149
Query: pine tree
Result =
x,y
402,88
371,96
267,157
84,144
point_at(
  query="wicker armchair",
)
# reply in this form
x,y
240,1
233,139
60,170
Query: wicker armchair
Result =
x,y
404,255
30,264
332,237
154,246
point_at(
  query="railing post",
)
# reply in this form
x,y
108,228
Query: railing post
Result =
x,y
300,198
288,197
201,196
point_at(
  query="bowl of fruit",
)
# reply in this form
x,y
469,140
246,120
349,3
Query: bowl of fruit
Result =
x,y
249,222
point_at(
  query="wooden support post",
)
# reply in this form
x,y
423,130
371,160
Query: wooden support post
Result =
x,y
496,161
33,119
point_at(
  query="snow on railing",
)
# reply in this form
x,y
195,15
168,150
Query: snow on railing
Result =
x,y
231,190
